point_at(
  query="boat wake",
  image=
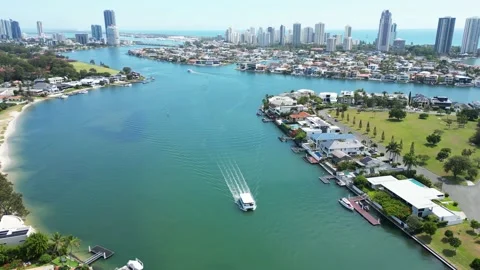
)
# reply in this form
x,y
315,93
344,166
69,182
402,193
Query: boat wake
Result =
x,y
233,178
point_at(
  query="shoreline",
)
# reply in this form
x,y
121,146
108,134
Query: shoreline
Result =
x,y
12,119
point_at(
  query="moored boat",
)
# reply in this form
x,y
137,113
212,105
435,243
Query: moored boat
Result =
x,y
132,265
346,203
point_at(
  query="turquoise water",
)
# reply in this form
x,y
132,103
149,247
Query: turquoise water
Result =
x,y
137,171
416,183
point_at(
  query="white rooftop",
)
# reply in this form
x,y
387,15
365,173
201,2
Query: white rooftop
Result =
x,y
247,198
419,197
381,179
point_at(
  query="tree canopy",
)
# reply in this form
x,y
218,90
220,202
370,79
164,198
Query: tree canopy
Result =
x,y
397,113
458,165
11,202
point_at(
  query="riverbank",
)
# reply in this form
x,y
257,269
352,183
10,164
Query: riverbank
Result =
x,y
8,122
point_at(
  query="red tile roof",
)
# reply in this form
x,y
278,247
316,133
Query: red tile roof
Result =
x,y
299,115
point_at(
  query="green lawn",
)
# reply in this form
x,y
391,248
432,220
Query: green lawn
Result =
x,y
81,65
412,129
70,263
448,203
469,250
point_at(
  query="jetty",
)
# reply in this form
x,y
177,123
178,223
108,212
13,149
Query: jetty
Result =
x,y
355,201
326,178
98,252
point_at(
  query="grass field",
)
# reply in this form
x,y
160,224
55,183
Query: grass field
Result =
x,y
81,65
464,255
412,129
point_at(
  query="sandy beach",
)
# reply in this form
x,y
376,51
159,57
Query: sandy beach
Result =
x,y
7,126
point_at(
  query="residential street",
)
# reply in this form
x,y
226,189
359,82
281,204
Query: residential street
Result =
x,y
466,196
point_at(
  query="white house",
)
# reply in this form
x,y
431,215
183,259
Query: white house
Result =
x,y
328,97
44,87
282,101
55,80
415,195
304,92
13,231
348,146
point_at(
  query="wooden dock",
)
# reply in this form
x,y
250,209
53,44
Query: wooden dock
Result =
x,y
326,178
362,211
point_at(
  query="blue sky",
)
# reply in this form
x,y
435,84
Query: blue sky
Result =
x,y
220,14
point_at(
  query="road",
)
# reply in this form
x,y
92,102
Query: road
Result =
x,y
466,196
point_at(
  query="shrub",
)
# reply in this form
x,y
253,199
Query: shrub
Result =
x,y
423,116
447,195
400,177
424,180
455,203
45,258
448,233
382,154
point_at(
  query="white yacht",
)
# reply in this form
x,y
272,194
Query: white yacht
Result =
x,y
132,265
83,92
346,203
189,71
127,85
63,96
246,202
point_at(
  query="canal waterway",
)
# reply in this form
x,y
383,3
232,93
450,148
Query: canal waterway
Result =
x,y
136,169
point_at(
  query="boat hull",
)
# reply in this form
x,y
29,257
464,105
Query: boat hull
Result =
x,y
346,206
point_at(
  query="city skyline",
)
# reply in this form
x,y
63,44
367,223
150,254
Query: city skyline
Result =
x,y
141,18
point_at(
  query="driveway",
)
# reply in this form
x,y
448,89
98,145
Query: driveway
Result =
x,y
466,196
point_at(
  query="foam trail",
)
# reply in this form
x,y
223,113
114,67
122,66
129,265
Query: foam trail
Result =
x,y
232,186
242,178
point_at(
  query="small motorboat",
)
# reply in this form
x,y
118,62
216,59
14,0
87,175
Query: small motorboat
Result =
x,y
189,71
346,203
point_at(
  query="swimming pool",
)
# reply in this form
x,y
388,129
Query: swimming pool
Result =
x,y
416,183
294,126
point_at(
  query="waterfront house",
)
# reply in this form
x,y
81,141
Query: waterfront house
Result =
x,y
441,102
340,156
348,146
15,99
281,101
41,87
55,80
346,97
415,195
318,138
301,116
462,79
421,101
328,97
371,165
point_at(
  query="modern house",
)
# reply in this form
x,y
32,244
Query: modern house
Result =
x,y
346,97
348,146
41,87
282,101
415,195
301,116
55,80
328,97
441,102
13,231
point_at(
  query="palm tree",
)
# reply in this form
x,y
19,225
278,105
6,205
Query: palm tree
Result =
x,y
71,242
57,240
393,149
410,160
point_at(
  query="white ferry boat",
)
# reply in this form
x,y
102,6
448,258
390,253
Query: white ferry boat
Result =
x,y
246,202
132,265
346,203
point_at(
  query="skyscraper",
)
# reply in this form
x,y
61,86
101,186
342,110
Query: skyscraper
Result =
x,y
331,44
97,32
348,31
297,33
471,34
307,36
347,44
16,32
109,16
282,35
393,33
39,29
384,28
81,38
319,33
271,37
8,28
112,36
443,41
3,32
